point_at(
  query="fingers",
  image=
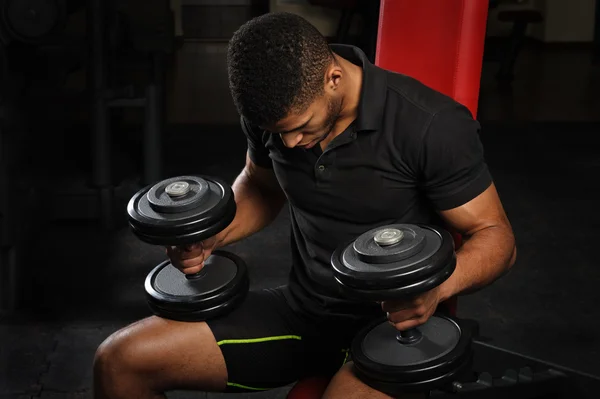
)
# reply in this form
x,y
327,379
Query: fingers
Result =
x,y
190,251
399,305
408,324
407,319
189,259
406,314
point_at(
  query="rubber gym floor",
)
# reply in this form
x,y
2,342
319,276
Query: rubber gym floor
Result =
x,y
82,284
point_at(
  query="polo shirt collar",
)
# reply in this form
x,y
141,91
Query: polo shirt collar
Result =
x,y
373,90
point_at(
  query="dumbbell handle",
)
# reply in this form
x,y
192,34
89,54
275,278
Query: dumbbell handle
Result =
x,y
196,275
410,336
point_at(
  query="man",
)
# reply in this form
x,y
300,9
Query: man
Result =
x,y
350,147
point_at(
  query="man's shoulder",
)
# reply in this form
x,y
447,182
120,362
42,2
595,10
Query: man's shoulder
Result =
x,y
420,114
414,94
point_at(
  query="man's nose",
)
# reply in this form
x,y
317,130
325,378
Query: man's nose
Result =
x,y
290,141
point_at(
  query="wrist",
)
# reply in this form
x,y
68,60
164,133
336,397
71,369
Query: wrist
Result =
x,y
226,236
449,288
220,239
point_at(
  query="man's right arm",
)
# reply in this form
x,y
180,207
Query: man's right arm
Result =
x,y
259,199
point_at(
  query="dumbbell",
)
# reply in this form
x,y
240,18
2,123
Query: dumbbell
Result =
x,y
394,262
178,212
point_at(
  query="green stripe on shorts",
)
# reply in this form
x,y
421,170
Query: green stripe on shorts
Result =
x,y
254,341
233,384
257,340
346,357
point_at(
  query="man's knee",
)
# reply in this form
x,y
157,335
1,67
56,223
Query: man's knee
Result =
x,y
123,355
156,354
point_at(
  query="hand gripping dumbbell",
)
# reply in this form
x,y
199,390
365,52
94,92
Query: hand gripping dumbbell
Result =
x,y
178,212
396,262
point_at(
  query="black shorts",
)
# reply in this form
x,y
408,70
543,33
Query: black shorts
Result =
x,y
267,343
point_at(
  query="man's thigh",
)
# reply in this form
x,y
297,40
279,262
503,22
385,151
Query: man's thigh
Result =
x,y
267,345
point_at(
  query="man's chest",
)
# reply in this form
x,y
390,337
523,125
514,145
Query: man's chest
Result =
x,y
358,178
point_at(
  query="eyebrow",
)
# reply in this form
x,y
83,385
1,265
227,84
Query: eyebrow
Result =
x,y
297,127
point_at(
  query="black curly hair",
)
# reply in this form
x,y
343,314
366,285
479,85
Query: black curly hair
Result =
x,y
276,65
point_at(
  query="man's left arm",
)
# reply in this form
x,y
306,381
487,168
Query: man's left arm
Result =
x,y
488,250
455,179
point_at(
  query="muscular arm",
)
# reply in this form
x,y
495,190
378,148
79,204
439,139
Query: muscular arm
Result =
x,y
489,248
457,182
259,200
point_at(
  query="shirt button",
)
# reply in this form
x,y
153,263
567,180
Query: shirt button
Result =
x,y
321,168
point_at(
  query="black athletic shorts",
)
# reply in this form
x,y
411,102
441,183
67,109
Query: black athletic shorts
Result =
x,y
268,344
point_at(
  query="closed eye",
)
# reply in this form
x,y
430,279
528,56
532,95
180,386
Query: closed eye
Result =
x,y
302,126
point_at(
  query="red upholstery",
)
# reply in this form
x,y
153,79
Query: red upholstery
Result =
x,y
440,43
437,42
309,388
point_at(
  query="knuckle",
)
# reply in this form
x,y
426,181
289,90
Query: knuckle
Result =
x,y
413,323
186,264
396,317
391,307
191,255
405,325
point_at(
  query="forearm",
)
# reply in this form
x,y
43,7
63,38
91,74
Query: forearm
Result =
x,y
484,257
256,208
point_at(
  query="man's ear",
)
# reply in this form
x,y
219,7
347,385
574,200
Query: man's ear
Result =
x,y
333,77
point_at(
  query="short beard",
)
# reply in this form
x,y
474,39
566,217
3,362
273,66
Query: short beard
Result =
x,y
334,107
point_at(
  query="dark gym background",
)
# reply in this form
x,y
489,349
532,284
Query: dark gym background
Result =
x,y
100,97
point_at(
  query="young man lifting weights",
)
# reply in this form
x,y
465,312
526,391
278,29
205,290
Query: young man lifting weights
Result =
x,y
349,147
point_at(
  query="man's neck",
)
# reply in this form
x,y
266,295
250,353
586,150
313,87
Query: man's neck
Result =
x,y
351,98
352,89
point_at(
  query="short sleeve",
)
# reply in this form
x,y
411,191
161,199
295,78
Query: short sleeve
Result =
x,y
452,161
257,151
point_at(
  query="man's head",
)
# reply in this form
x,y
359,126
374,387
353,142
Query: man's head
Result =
x,y
283,77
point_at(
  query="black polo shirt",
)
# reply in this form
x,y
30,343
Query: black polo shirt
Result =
x,y
410,152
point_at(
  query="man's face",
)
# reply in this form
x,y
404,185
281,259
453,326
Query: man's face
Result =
x,y
307,129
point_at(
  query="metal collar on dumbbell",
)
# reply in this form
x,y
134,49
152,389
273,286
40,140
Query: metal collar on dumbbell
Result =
x,y
178,189
181,210
385,237
394,260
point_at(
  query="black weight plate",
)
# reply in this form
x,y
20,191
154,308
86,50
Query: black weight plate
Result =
x,y
222,282
443,353
439,337
427,257
202,314
403,288
33,20
203,217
